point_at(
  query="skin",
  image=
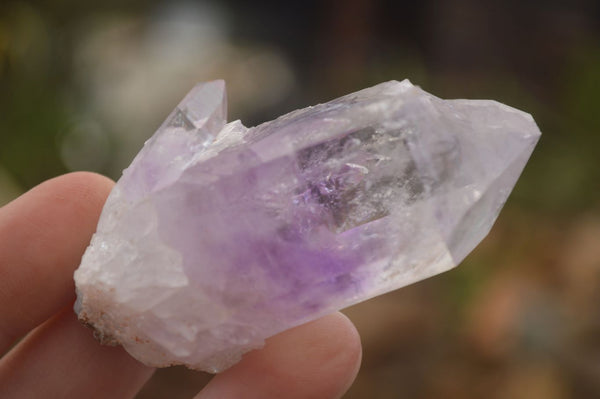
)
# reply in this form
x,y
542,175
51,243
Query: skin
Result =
x,y
43,235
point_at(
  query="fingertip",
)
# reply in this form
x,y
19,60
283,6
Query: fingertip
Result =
x,y
88,182
339,344
81,188
352,353
319,359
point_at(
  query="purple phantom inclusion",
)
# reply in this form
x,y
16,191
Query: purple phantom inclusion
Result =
x,y
219,236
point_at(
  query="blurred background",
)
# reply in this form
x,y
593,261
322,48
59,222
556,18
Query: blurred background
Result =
x,y
83,84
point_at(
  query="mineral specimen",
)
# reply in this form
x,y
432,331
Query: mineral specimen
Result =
x,y
219,236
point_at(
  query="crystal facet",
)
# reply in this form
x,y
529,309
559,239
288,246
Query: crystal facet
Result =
x,y
219,236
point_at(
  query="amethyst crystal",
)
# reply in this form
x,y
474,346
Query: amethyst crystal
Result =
x,y
219,236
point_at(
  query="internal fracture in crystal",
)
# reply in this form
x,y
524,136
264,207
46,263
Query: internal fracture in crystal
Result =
x,y
219,236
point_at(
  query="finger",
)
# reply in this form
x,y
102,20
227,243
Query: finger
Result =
x,y
43,235
61,359
316,360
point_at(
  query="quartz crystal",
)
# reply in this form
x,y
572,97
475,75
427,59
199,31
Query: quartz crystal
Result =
x,y
219,236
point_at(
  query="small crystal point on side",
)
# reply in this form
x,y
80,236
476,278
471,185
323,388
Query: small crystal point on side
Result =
x,y
189,129
204,107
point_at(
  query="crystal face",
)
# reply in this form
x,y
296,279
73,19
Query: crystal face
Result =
x,y
219,236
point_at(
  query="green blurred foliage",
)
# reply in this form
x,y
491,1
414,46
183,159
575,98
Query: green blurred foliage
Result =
x,y
31,114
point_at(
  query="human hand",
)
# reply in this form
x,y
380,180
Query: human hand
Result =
x,y
43,235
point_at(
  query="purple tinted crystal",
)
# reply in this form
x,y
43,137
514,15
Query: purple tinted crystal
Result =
x,y
219,236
